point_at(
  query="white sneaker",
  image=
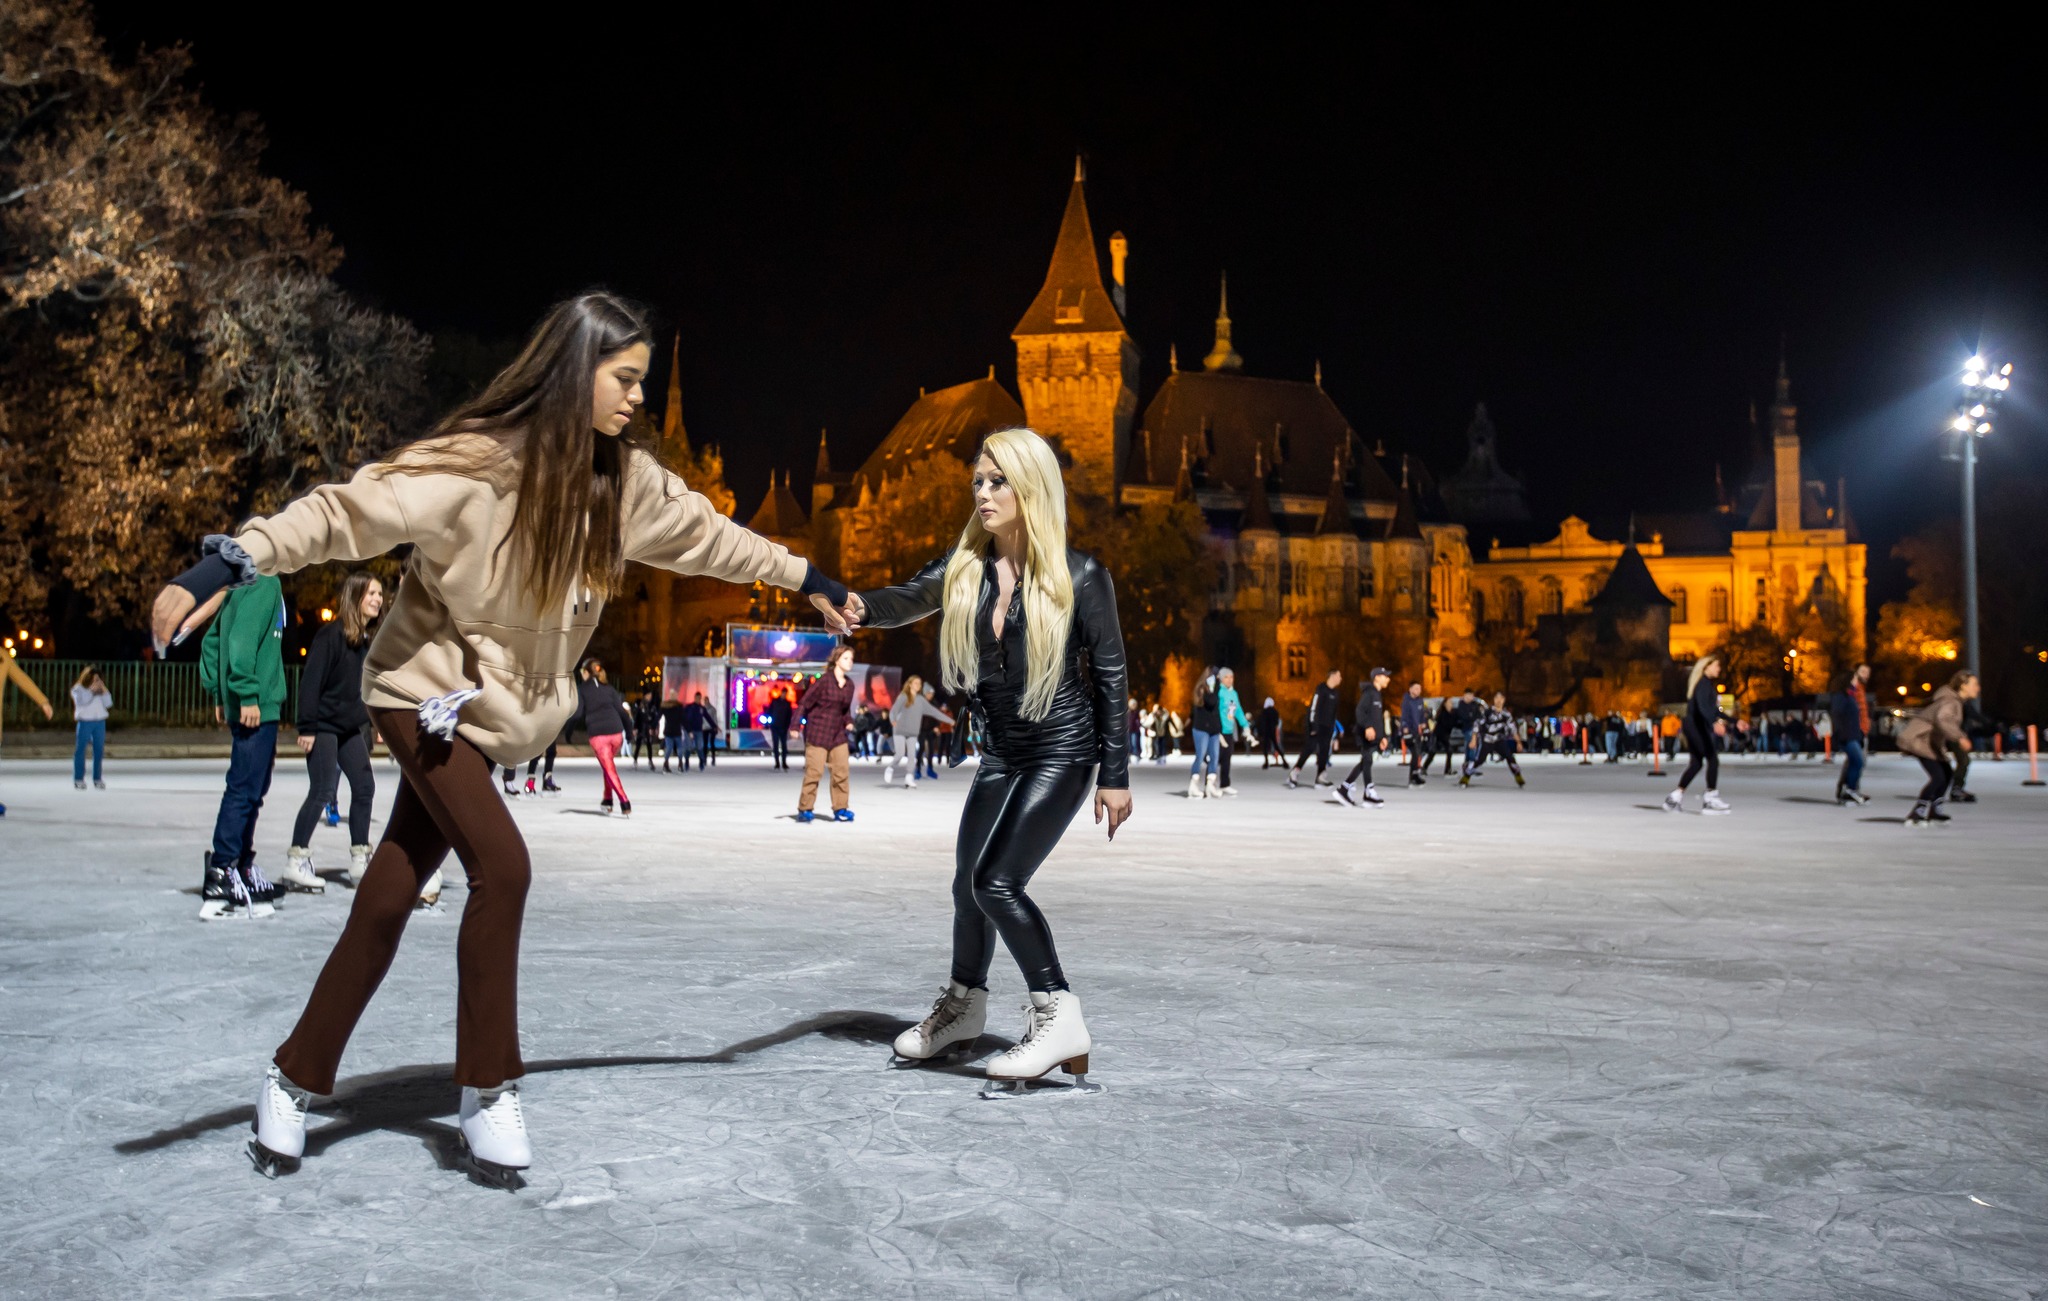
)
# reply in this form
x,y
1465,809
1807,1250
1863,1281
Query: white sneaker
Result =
x,y
1372,794
430,893
1195,791
298,871
959,1016
494,1127
888,777
1674,802
1054,1035
280,1123
358,863
1229,792
1713,803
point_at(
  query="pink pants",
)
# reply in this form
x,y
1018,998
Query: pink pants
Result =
x,y
606,748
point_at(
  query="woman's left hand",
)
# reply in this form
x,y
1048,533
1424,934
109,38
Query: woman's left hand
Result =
x,y
1116,803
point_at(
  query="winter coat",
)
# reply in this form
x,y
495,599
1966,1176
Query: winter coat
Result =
x,y
1414,715
826,707
1322,710
780,712
1207,713
89,706
241,661
331,685
1231,711
1936,727
1846,712
599,708
1703,710
1371,716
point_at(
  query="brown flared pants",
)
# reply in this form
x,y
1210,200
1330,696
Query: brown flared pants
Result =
x,y
446,800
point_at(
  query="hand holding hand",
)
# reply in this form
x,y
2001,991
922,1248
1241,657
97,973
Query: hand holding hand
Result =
x,y
1117,804
834,620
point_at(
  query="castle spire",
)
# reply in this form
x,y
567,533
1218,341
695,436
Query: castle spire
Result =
x,y
1073,299
1172,359
824,458
675,440
1336,516
1223,356
1184,483
1258,513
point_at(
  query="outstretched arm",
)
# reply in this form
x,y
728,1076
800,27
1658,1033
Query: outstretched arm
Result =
x,y
905,602
670,527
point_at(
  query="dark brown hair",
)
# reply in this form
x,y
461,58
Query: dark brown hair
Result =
x,y
1961,679
355,627
568,529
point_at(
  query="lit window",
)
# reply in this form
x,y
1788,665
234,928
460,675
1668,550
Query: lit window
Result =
x,y
1297,661
1717,605
1679,606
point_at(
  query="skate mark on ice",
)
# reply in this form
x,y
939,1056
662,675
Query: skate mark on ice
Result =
x,y
407,1099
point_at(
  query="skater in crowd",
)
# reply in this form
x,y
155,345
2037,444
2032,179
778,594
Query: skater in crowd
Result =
x,y
1320,728
1020,614
1929,735
928,725
1974,724
605,718
707,737
522,507
12,673
1493,735
677,740
1415,731
646,716
1236,727
544,763
907,716
91,702
781,713
241,665
1703,722
1849,715
1135,723
1371,717
827,711
335,733
1205,717
1272,746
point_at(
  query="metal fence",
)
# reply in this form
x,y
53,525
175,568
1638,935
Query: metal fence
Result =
x,y
147,693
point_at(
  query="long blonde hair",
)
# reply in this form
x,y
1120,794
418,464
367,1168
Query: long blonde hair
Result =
x,y
1034,475
1699,670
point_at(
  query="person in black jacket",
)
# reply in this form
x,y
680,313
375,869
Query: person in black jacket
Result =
x,y
334,731
674,729
1320,727
1702,724
1270,747
1372,732
1848,709
780,714
1205,720
1415,731
605,717
1029,630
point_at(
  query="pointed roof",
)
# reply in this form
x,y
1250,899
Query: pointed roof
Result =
x,y
1404,524
1223,356
824,466
1184,483
1784,416
1630,586
1336,517
675,440
1258,512
1234,415
1073,299
952,420
780,515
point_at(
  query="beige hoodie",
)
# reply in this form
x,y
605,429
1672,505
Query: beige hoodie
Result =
x,y
460,621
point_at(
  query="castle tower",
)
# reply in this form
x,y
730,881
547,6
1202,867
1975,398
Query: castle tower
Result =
x,y
1785,454
1223,356
674,449
1077,366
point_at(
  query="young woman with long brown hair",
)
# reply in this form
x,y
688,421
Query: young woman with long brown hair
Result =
x,y
522,508
335,732
1028,627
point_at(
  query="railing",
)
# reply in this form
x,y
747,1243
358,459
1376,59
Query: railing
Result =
x,y
147,693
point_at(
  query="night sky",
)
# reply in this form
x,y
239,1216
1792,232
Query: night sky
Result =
x,y
1604,243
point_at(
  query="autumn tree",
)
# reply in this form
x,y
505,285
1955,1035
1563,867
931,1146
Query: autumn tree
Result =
x,y
1160,560
172,353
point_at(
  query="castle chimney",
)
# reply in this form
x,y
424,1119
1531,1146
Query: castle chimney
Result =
x,y
1119,249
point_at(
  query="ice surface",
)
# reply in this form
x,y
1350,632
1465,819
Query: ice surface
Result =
x,y
1484,1043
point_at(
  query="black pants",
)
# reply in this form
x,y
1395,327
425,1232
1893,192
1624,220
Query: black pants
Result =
x,y
1503,749
707,753
330,757
1364,768
1961,759
1701,748
1317,742
1011,822
778,743
1940,774
1418,752
534,763
1223,761
1440,741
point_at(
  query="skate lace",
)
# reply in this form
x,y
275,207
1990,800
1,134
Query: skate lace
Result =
x,y
289,1102
1036,1019
502,1113
945,1011
257,881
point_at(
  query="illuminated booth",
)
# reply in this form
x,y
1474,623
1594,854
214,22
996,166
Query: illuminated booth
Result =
x,y
758,665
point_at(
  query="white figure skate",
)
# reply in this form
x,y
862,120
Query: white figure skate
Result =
x,y
298,872
358,864
280,1125
1213,787
430,893
494,1135
1195,791
1712,804
1674,802
958,1017
1054,1035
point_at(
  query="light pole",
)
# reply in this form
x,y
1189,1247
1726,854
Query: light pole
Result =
x,y
1982,388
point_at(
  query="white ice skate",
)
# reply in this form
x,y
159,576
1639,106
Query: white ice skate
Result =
x,y
298,872
358,864
280,1125
494,1134
1195,791
1229,792
1674,802
1371,796
1054,1035
1213,787
430,893
1712,804
958,1017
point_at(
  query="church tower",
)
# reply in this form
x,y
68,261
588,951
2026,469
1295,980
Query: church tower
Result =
x,y
1077,366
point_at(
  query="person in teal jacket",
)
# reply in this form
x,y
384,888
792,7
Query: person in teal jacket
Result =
x,y
241,665
1235,723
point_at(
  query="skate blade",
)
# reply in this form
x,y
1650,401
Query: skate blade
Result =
x,y
957,1051
296,888
489,1173
1003,1090
271,1164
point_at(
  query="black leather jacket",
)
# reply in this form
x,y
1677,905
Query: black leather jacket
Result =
x,y
1086,721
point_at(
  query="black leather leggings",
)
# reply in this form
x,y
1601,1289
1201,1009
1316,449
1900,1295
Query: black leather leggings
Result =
x,y
1700,745
1011,822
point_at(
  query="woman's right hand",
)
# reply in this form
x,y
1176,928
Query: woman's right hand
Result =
x,y
175,615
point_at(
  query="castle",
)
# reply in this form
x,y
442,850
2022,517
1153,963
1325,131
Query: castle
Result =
x,y
1329,549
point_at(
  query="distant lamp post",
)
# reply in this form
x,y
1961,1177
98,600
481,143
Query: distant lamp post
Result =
x,y
1982,389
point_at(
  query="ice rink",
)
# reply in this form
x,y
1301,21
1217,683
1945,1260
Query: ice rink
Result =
x,y
1485,1043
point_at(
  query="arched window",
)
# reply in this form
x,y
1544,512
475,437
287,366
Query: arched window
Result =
x,y
1717,605
1478,607
1550,599
1679,610
1763,599
1297,660
1511,603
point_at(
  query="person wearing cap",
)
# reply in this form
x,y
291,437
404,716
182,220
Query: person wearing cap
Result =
x,y
1372,727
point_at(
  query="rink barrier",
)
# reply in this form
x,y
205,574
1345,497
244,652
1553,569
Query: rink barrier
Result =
x,y
2033,756
1656,755
1585,756
147,693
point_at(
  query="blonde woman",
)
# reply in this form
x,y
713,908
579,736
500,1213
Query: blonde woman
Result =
x,y
1702,724
1021,614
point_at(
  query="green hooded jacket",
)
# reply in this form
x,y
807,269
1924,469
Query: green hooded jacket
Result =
x,y
241,662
